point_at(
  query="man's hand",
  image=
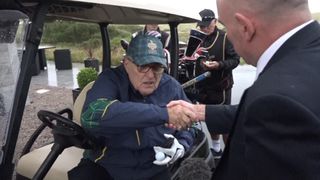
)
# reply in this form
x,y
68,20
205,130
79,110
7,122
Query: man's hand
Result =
x,y
210,65
180,117
197,109
171,154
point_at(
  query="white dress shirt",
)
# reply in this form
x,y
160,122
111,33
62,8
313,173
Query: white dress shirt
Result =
x,y
267,54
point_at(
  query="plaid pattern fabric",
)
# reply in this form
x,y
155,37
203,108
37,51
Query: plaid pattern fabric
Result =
x,y
96,109
146,49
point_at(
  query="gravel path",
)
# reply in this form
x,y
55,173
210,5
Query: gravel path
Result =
x,y
55,99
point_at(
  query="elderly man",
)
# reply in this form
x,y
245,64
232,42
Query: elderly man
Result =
x,y
274,131
126,110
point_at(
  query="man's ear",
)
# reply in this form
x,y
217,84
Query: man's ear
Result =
x,y
247,28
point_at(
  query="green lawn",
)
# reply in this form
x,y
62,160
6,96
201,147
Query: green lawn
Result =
x,y
316,16
78,54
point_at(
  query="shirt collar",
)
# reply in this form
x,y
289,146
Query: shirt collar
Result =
x,y
267,55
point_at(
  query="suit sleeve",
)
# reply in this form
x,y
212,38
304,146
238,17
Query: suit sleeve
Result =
x,y
282,139
220,118
232,59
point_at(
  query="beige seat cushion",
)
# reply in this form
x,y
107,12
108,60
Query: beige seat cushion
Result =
x,y
69,158
78,104
30,163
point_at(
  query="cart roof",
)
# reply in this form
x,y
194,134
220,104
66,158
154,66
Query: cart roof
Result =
x,y
117,11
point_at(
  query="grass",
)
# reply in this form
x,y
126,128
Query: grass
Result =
x,y
183,30
78,54
316,16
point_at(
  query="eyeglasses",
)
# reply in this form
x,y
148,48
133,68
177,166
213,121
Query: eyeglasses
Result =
x,y
156,68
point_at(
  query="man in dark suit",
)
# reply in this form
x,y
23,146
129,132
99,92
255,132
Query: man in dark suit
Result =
x,y
275,130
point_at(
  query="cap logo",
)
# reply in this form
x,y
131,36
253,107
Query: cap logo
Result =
x,y
152,46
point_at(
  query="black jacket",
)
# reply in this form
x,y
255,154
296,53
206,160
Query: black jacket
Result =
x,y
220,48
275,130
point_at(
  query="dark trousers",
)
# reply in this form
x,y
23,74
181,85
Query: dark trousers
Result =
x,y
164,175
216,97
87,169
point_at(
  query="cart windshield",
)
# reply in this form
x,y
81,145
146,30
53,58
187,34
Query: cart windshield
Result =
x,y
13,25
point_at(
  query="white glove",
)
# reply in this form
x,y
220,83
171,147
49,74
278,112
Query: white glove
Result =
x,y
166,156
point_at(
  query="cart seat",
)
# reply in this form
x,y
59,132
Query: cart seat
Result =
x,y
29,163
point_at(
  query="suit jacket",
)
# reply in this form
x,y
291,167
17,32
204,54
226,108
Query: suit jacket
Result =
x,y
275,130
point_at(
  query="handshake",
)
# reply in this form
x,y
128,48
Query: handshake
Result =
x,y
182,114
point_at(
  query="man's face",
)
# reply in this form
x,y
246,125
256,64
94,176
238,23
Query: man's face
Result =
x,y
144,79
209,29
152,27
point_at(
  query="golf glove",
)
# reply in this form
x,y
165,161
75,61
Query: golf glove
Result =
x,y
171,153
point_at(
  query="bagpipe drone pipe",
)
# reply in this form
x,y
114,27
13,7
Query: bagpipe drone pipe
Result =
x,y
189,64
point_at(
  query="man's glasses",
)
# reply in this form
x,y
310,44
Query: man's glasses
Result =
x,y
156,68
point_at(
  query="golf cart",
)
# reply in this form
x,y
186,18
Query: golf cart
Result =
x,y
21,28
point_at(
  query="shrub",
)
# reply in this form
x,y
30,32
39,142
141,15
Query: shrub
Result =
x,y
90,45
85,76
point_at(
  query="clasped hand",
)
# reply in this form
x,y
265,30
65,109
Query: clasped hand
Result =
x,y
182,114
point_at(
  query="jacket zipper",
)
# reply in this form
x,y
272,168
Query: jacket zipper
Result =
x,y
138,137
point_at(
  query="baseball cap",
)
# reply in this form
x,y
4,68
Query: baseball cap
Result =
x,y
146,49
207,16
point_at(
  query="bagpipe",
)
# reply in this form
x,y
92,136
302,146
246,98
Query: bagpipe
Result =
x,y
190,71
189,62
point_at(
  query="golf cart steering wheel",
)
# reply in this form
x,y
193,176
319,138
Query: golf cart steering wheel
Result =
x,y
65,131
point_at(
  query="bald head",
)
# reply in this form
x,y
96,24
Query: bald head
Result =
x,y
253,25
269,8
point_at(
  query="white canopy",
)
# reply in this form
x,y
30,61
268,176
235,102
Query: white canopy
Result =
x,y
120,11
